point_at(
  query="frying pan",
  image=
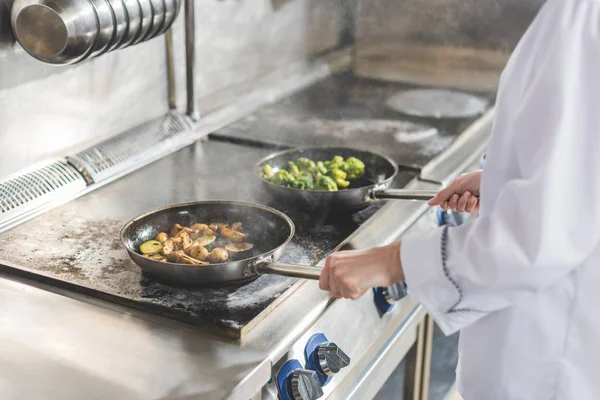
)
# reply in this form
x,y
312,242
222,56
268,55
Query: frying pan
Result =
x,y
268,230
380,171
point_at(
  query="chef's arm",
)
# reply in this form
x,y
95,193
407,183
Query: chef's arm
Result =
x,y
544,221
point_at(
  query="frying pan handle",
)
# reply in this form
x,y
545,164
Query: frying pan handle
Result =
x,y
294,271
404,194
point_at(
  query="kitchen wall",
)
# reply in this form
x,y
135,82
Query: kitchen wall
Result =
x,y
457,43
47,111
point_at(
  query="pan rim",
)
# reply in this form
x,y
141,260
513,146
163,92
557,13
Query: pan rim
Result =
x,y
263,160
211,202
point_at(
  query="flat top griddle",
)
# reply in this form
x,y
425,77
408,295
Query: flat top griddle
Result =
x,y
344,110
77,245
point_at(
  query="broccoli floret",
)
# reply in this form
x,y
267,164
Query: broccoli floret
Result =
x,y
354,167
336,162
284,178
268,171
321,168
341,183
337,174
326,183
305,181
305,164
293,169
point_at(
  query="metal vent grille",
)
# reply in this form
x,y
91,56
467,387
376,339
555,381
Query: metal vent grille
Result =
x,y
132,149
30,192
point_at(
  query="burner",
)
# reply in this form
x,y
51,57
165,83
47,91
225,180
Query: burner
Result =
x,y
433,103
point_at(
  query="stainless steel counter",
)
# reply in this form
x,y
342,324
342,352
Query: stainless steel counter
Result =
x,y
57,348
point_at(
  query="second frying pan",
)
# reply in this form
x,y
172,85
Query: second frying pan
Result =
x,y
268,230
380,171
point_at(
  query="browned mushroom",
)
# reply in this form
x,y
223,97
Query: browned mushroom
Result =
x,y
237,226
216,226
169,246
205,240
162,237
218,255
238,247
185,259
196,251
175,255
232,235
156,257
177,228
202,229
186,241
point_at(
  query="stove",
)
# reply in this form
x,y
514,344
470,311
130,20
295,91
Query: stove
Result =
x,y
344,110
76,245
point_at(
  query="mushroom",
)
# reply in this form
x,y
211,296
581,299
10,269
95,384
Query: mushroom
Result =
x,y
174,256
162,237
205,240
169,246
218,255
177,228
238,247
237,226
185,259
186,241
200,229
196,251
216,226
232,235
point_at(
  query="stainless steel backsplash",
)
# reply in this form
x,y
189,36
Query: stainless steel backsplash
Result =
x,y
463,43
46,111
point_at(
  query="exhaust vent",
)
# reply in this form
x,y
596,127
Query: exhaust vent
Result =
x,y
32,191
132,149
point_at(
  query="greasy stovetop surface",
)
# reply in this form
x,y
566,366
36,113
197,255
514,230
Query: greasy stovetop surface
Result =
x,y
78,242
344,110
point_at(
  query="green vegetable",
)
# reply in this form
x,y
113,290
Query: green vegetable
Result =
x,y
354,167
326,183
337,174
305,181
293,169
305,164
268,171
151,247
282,177
321,168
341,183
306,174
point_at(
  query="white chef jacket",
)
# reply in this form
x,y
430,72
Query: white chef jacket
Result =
x,y
522,282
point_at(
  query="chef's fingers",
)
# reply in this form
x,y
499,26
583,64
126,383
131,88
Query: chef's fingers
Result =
x,y
334,284
444,205
472,205
453,203
442,196
324,279
463,201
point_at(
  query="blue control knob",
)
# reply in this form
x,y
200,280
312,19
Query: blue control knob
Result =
x,y
324,357
386,297
296,383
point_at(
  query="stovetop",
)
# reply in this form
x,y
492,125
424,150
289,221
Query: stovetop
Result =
x,y
76,246
344,110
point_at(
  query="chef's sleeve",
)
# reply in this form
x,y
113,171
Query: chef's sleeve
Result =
x,y
545,220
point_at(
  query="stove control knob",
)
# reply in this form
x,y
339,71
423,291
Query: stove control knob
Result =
x,y
305,385
331,358
396,292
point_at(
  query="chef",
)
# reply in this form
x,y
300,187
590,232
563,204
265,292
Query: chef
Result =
x,y
522,282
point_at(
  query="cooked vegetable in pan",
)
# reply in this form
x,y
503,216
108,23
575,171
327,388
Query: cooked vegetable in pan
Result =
x,y
198,244
307,174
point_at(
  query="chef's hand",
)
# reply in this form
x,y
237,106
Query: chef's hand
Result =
x,y
351,273
460,195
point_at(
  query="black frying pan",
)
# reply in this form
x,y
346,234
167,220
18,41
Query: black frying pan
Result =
x,y
380,171
268,229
